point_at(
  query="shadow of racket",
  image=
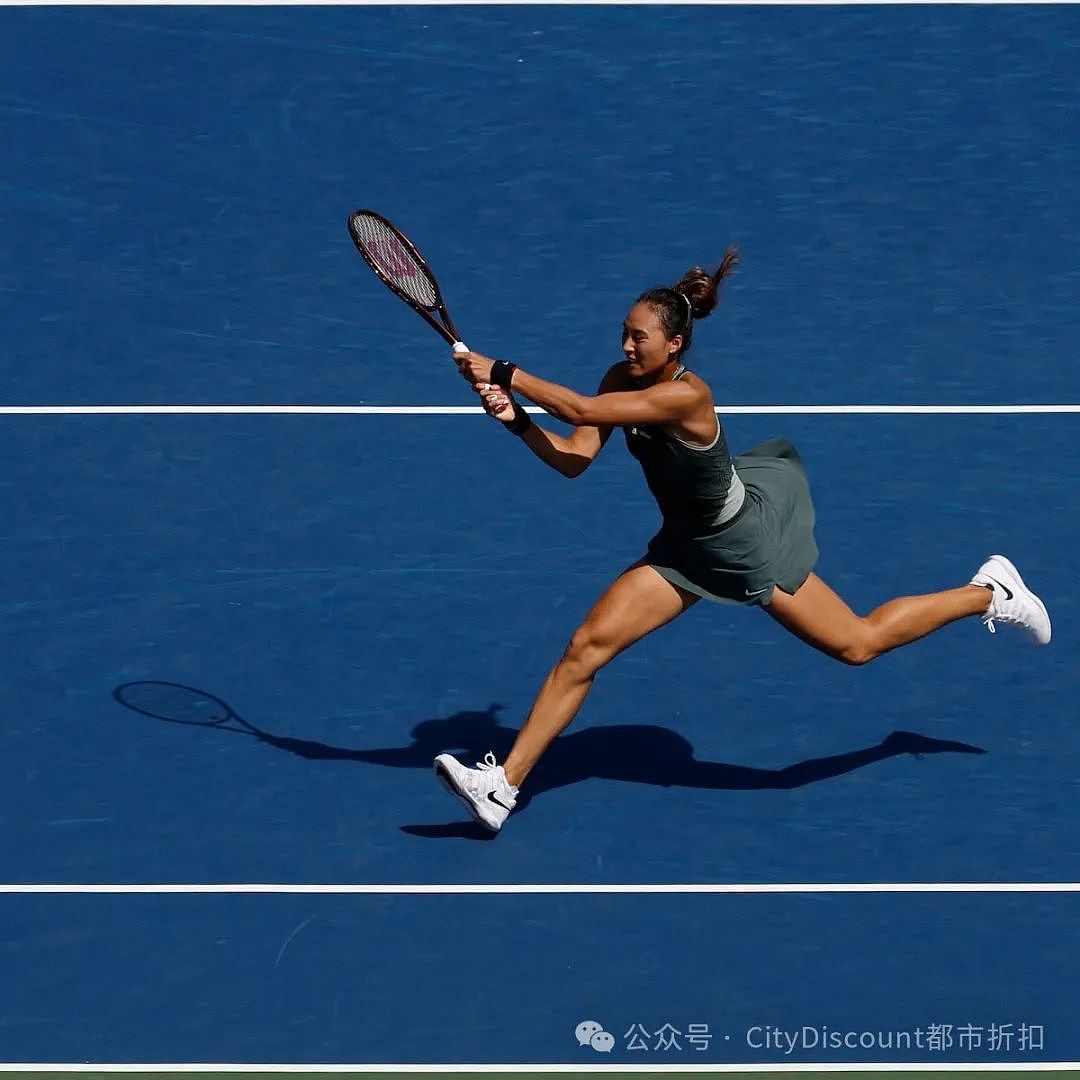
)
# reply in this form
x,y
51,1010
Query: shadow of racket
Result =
x,y
634,753
178,704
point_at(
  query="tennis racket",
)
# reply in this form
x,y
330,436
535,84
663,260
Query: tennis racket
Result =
x,y
180,704
403,270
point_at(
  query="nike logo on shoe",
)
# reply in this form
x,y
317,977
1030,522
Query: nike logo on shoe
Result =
x,y
497,802
1004,588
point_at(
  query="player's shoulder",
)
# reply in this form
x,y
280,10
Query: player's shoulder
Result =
x,y
696,385
617,378
692,378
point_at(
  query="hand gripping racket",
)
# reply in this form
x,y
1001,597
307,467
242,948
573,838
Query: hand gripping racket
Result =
x,y
403,270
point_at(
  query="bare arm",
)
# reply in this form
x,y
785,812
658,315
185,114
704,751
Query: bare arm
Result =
x,y
616,403
660,404
569,455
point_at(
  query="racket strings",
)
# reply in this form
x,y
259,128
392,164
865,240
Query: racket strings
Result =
x,y
392,258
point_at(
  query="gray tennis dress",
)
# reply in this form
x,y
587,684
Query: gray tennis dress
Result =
x,y
733,529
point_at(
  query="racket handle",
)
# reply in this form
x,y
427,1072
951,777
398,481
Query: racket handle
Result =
x,y
460,347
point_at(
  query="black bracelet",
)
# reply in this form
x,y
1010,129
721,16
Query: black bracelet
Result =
x,y
502,373
521,423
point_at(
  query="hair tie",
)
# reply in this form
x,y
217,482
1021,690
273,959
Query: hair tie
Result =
x,y
689,307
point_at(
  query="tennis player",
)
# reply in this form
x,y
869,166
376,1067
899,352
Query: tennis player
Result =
x,y
734,530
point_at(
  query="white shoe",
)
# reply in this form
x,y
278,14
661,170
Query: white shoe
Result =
x,y
485,791
1011,601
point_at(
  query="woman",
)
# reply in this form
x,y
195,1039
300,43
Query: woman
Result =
x,y
734,530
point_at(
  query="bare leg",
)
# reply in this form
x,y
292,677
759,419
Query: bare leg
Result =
x,y
817,615
638,602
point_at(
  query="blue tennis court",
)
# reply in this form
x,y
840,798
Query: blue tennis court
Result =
x,y
370,586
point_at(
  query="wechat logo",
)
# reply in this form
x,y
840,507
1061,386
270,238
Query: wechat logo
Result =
x,y
592,1033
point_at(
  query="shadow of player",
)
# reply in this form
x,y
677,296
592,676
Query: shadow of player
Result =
x,y
629,753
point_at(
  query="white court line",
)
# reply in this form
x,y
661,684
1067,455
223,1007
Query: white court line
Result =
x,y
465,410
541,889
757,1067
546,3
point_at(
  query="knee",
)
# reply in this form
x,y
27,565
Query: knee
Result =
x,y
587,652
860,650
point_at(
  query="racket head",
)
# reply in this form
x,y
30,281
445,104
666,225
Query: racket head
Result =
x,y
399,265
176,704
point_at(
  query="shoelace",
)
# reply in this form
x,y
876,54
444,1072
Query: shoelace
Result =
x,y
476,785
990,616
1016,617
490,763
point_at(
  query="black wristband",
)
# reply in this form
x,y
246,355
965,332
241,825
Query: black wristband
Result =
x,y
502,373
521,423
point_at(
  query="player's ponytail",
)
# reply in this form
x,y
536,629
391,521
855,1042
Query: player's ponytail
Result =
x,y
694,296
702,289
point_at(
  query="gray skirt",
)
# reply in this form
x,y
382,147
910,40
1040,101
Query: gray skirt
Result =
x,y
768,544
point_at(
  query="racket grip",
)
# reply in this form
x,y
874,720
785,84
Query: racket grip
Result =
x,y
460,347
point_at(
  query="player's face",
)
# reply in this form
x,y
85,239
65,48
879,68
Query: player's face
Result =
x,y
646,347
